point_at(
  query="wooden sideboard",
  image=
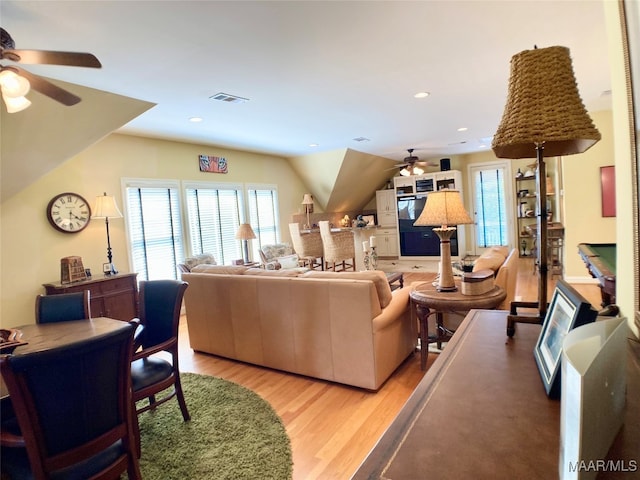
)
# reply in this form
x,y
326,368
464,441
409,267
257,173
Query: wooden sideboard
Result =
x,y
481,411
113,296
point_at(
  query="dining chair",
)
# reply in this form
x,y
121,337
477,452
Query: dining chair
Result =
x,y
63,307
160,304
307,246
76,423
338,248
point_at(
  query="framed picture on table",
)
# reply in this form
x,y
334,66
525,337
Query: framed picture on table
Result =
x,y
567,310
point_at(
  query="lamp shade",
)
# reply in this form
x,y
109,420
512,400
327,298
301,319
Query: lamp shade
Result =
x,y
106,207
245,232
443,207
543,108
307,199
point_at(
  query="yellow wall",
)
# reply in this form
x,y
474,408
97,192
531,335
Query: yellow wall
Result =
x,y
582,199
31,249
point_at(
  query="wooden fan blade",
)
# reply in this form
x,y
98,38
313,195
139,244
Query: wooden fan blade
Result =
x,y
49,57
49,89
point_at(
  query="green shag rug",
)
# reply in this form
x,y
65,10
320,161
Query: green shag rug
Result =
x,y
233,434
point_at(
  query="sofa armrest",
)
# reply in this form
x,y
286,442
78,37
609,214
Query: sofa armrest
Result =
x,y
398,305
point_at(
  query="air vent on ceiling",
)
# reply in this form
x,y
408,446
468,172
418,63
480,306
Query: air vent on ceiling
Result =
x,y
361,139
225,97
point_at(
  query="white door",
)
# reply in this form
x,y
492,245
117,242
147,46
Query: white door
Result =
x,y
491,197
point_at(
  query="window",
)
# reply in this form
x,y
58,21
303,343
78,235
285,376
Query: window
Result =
x,y
490,206
263,215
154,228
214,215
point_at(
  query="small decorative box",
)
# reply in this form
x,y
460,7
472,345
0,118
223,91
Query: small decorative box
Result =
x,y
477,283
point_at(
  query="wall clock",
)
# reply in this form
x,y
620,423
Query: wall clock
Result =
x,y
69,212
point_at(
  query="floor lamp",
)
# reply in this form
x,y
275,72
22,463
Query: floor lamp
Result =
x,y
544,115
444,209
107,208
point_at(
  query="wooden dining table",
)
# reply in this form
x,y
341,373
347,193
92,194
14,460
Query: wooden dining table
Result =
x,y
48,336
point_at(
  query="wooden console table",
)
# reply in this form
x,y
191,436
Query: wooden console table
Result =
x,y
114,296
481,412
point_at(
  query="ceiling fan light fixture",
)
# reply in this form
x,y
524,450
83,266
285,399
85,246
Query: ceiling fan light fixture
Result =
x,y
417,170
13,85
405,172
15,104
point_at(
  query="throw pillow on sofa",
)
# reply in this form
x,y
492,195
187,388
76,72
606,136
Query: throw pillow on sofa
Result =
x,y
378,278
288,261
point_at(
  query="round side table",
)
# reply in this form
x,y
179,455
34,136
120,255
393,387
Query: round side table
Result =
x,y
429,301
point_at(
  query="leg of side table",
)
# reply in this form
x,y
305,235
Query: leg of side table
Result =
x,y
423,315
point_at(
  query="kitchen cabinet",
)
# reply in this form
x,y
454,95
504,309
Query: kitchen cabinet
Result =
x,y
113,296
386,206
387,242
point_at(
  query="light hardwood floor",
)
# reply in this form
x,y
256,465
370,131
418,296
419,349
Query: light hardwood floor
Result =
x,y
333,427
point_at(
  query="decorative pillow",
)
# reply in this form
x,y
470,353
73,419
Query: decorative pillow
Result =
x,y
292,272
378,278
489,260
220,269
504,251
272,252
289,261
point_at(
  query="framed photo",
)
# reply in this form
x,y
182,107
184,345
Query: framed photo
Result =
x,y
370,219
567,310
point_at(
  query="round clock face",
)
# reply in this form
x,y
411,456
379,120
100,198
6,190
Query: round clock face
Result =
x,y
69,212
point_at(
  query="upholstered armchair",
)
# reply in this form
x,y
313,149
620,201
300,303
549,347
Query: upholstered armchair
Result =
x,y
307,246
190,262
278,255
338,248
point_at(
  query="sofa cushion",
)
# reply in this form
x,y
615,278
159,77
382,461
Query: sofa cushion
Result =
x,y
288,261
220,269
291,272
378,278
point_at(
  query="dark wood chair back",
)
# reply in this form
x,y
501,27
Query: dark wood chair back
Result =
x,y
63,307
160,304
74,409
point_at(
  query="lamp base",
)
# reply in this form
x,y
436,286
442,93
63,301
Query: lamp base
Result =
x,y
445,281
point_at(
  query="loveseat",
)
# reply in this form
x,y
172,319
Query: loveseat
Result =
x,y
345,327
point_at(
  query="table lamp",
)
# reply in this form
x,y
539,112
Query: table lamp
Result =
x,y
544,114
106,207
444,208
245,233
307,201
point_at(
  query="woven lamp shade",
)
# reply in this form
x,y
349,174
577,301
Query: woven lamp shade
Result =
x,y
443,207
543,108
245,232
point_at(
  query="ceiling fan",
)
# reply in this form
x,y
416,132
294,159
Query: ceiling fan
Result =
x,y
16,82
411,165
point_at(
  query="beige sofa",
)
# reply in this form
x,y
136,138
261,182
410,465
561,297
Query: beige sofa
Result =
x,y
342,327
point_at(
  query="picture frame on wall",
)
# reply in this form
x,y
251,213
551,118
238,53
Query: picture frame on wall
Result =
x,y
567,310
608,187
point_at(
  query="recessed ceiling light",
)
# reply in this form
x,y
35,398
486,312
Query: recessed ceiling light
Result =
x,y
463,129
421,95
195,119
313,145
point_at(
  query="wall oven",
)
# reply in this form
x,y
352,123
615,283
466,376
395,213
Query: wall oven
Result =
x,y
418,241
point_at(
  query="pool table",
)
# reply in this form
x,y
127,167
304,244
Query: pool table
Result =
x,y
600,259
